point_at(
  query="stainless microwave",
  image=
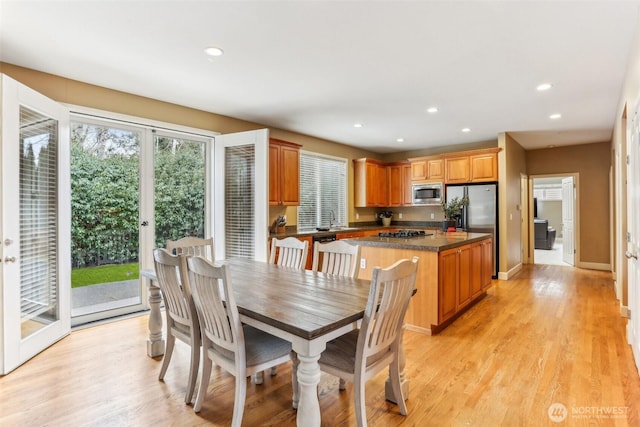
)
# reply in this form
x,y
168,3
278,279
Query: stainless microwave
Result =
x,y
428,193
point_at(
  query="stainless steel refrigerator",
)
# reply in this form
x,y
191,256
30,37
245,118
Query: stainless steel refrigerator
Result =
x,y
480,216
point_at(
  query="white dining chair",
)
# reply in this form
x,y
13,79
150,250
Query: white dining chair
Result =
x,y
337,258
360,354
192,246
289,252
180,311
239,349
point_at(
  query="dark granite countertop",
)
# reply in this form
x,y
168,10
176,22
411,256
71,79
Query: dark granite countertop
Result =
x,y
436,242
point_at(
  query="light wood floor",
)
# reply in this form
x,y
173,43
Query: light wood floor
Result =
x,y
551,335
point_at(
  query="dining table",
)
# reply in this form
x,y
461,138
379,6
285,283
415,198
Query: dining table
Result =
x,y
303,307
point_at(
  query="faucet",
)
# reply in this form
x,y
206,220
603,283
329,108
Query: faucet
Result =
x,y
332,218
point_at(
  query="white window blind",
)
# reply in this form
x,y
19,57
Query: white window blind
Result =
x,y
550,192
323,189
239,200
38,215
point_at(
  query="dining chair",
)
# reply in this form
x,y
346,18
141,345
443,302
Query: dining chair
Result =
x,y
239,349
289,252
338,258
180,311
360,354
192,246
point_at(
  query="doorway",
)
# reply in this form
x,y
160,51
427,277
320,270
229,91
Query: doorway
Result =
x,y
553,213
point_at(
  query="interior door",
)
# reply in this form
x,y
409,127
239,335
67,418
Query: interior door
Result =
x,y
568,220
35,218
241,190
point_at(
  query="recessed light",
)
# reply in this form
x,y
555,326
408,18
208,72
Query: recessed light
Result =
x,y
357,125
555,116
213,51
432,110
544,86
465,130
400,140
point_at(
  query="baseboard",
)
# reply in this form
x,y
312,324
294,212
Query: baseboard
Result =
x,y
509,274
624,311
594,266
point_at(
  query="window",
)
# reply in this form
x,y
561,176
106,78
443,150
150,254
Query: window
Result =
x,y
323,190
548,192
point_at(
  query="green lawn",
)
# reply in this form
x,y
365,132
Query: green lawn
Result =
x,y
103,274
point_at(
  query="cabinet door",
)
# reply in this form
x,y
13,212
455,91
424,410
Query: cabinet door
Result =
x,y
380,187
464,276
477,268
407,191
484,167
435,170
419,170
457,170
289,176
447,284
394,184
487,263
274,174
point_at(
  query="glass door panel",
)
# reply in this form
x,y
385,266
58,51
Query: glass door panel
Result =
x,y
179,188
34,279
105,203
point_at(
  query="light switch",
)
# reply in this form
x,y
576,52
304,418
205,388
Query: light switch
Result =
x,y
363,263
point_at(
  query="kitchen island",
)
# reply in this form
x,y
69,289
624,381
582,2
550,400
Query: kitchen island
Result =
x,y
454,272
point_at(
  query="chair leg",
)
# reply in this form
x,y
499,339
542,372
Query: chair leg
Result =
x,y
274,370
241,395
168,351
258,377
204,382
361,410
193,370
342,384
294,379
394,374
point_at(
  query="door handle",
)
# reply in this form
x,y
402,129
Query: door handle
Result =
x,y
9,259
629,255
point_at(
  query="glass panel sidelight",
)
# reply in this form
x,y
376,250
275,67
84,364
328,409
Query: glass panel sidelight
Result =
x,y
38,221
239,201
105,202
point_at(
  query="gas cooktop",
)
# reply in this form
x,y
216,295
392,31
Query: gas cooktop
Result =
x,y
404,234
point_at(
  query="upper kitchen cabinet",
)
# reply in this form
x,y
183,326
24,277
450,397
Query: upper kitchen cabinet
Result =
x,y
471,166
427,168
284,173
370,183
399,184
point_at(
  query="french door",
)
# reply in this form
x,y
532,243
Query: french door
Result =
x,y
35,224
568,221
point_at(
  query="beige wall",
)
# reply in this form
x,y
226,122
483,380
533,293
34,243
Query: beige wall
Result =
x,y
591,162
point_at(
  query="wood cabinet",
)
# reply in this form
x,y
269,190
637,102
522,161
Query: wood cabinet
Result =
x,y
471,166
427,169
399,184
448,282
370,183
463,276
284,173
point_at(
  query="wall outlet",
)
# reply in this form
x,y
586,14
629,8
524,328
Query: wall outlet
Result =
x,y
400,215
357,215
433,216
363,263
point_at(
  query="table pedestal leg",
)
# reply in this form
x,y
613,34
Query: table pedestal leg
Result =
x,y
404,382
308,380
155,343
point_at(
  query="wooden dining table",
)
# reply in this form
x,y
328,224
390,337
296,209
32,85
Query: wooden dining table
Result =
x,y
305,308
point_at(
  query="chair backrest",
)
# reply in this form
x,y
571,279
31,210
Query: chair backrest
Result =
x,y
338,258
192,246
389,296
216,306
171,273
289,252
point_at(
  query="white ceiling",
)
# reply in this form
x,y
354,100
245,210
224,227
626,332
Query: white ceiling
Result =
x,y
318,67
